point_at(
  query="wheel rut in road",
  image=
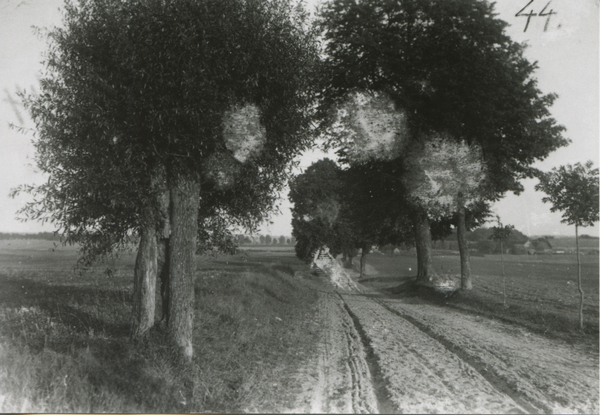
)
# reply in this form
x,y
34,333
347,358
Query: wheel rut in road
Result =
x,y
422,375
379,383
541,374
339,379
498,382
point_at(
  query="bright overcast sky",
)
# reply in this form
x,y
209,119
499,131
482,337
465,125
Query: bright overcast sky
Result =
x,y
567,54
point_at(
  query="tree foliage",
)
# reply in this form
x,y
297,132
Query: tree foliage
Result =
x,y
214,89
502,233
316,212
572,190
449,68
419,69
377,204
347,209
171,120
442,175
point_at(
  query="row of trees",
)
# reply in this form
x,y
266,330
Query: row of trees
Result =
x,y
172,122
435,113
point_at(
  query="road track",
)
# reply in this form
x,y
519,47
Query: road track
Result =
x,y
388,355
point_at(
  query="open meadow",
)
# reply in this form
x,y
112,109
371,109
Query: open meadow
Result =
x,y
64,335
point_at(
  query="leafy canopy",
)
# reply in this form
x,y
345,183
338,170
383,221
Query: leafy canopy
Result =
x,y
501,232
450,69
572,190
317,212
347,209
137,91
442,174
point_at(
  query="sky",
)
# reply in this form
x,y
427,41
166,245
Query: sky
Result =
x,y
565,45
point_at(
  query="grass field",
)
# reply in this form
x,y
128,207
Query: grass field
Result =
x,y
564,242
64,336
541,290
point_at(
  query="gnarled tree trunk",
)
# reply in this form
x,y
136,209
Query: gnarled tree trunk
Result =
x,y
182,265
144,283
163,235
425,272
150,261
466,282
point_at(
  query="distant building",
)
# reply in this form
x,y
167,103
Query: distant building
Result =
x,y
538,245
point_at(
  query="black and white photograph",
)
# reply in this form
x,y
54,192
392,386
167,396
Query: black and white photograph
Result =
x,y
299,206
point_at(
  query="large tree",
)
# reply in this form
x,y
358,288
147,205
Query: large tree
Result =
x,y
154,117
376,207
445,178
573,190
317,217
346,209
423,68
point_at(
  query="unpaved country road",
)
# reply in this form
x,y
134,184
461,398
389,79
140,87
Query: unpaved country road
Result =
x,y
407,356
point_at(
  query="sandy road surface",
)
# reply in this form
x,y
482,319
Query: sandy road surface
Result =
x,y
338,379
407,356
543,375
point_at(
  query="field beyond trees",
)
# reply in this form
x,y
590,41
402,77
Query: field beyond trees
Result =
x,y
64,336
541,290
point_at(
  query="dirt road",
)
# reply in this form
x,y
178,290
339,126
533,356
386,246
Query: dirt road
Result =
x,y
387,355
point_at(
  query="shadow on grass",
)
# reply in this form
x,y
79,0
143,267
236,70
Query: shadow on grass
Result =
x,y
81,334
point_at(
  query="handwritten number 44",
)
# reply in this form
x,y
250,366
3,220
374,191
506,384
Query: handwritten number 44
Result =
x,y
532,14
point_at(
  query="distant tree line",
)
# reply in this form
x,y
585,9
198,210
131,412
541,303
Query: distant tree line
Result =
x,y
482,241
47,236
266,239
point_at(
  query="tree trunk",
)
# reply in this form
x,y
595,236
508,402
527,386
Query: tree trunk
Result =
x,y
182,265
419,257
466,282
144,283
579,279
363,261
347,260
163,273
163,235
425,272
151,258
503,274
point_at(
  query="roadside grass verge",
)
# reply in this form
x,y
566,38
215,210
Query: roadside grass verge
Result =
x,y
65,347
538,316
253,331
541,290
